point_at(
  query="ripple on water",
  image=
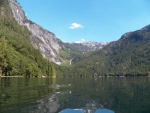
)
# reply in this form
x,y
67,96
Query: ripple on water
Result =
x,y
90,107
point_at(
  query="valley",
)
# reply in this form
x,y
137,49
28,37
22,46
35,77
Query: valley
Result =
x,y
39,73
128,56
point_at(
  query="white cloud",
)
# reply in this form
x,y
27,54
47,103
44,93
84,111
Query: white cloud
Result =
x,y
81,41
75,26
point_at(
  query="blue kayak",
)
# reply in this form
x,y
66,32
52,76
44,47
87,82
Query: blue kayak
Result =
x,y
72,111
86,111
103,111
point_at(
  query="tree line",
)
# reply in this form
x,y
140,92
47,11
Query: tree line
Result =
x,y
17,55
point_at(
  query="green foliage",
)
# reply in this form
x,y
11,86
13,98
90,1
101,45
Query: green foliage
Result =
x,y
129,56
17,55
64,54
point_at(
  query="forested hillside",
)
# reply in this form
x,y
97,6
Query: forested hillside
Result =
x,y
129,56
17,56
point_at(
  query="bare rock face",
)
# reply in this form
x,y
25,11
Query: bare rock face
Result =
x,y
40,38
46,41
18,13
94,45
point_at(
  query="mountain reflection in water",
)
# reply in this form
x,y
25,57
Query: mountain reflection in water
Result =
x,y
52,104
47,95
48,105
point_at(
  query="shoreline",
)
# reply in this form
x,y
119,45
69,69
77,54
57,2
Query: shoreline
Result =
x,y
11,76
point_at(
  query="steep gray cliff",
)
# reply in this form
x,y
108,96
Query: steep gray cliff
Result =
x,y
40,38
84,47
48,44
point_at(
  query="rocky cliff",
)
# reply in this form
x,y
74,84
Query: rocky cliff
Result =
x,y
85,47
40,38
93,45
48,44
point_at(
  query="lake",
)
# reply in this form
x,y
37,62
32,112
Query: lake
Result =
x,y
75,95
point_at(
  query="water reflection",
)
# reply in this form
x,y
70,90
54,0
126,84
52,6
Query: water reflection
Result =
x,y
57,86
48,105
46,95
51,103
91,107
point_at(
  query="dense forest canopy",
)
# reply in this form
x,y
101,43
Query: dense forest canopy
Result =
x,y
129,56
17,55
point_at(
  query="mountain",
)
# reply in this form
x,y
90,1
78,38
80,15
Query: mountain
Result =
x,y
49,45
129,56
22,41
17,55
146,28
78,51
88,46
40,38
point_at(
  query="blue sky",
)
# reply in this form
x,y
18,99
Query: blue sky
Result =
x,y
89,20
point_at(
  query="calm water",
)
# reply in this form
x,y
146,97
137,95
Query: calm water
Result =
x,y
43,95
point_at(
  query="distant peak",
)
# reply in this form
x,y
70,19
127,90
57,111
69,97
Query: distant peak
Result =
x,y
146,28
90,42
